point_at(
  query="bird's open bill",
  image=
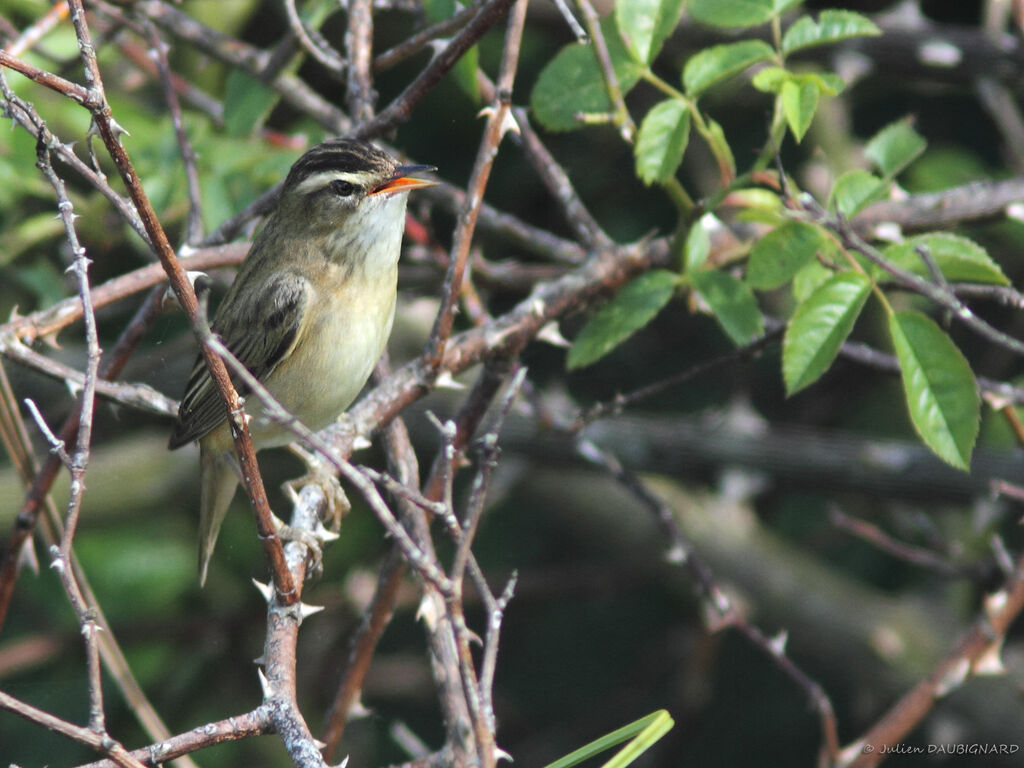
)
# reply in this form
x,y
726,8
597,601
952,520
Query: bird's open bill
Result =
x,y
402,181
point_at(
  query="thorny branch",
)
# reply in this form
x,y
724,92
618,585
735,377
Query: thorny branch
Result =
x,y
588,270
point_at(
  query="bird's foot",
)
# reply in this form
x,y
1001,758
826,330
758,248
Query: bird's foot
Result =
x,y
329,522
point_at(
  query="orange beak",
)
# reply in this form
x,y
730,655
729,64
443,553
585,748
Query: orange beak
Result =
x,y
403,182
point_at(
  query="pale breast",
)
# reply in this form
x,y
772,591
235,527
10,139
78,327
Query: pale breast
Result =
x,y
344,332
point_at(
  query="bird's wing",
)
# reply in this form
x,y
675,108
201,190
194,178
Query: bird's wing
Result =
x,y
260,325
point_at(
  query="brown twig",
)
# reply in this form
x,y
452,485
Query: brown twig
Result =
x,y
50,321
360,95
257,63
976,654
194,220
25,521
319,50
558,184
417,42
399,110
37,31
908,553
90,738
140,396
378,614
255,723
497,125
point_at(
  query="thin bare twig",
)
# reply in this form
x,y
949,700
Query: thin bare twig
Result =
x,y
720,607
255,723
319,50
919,556
497,125
417,42
99,741
378,613
50,321
360,95
977,654
399,110
194,220
78,460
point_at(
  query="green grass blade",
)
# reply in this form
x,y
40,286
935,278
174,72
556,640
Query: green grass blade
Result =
x,y
642,735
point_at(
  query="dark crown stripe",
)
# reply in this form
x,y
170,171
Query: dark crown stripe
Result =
x,y
338,155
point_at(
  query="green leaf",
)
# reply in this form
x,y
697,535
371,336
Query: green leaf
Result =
x,y
646,24
809,278
771,79
819,327
780,254
799,102
831,27
247,102
736,13
661,141
942,395
720,148
829,83
855,190
959,259
634,307
698,244
720,62
465,69
731,303
643,734
571,83
42,280
895,147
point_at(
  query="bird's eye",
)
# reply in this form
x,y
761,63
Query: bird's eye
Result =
x,y
342,188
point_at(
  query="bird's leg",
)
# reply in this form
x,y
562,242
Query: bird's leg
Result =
x,y
337,504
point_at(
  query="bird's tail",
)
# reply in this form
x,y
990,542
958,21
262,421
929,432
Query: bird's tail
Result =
x,y
218,480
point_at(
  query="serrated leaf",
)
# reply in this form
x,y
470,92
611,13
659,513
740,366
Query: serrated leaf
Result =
x,y
661,141
855,190
831,27
799,102
634,307
247,102
646,24
720,62
780,254
942,394
571,83
731,303
737,13
895,147
819,327
959,259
